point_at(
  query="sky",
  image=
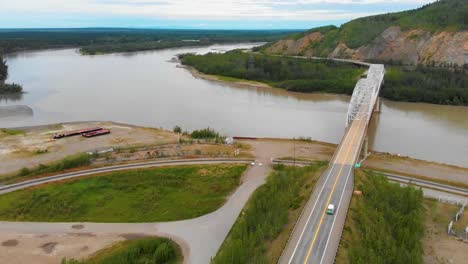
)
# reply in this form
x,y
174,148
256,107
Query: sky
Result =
x,y
196,14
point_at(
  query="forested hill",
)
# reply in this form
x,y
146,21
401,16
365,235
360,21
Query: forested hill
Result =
x,y
435,34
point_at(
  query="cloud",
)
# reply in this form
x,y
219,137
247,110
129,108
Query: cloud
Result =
x,y
206,10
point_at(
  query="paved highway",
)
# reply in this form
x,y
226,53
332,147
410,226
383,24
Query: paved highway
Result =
x,y
316,236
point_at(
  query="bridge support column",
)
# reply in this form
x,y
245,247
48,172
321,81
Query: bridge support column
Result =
x,y
365,148
378,104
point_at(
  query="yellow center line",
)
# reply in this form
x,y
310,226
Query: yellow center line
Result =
x,y
331,193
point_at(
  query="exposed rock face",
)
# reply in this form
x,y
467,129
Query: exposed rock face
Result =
x,y
296,47
409,47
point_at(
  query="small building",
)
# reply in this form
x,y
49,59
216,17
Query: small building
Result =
x,y
229,141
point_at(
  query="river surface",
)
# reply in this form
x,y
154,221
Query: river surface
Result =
x,y
144,88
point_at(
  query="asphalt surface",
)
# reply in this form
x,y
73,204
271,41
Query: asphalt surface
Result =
x,y
317,235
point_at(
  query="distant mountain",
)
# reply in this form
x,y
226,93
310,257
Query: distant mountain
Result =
x,y
435,34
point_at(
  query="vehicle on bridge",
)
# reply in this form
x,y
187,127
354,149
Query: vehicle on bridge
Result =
x,y
331,209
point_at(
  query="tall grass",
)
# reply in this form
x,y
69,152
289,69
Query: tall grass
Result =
x,y
266,215
139,251
69,162
145,195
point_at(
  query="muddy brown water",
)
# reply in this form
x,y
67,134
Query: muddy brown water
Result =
x,y
144,88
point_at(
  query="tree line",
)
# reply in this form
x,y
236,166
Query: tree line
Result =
x,y
122,39
4,87
402,83
292,74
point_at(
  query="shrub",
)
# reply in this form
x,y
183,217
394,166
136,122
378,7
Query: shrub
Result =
x,y
204,133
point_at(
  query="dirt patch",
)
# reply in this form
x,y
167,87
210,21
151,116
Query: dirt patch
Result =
x,y
10,243
440,248
131,236
78,227
37,146
409,166
48,247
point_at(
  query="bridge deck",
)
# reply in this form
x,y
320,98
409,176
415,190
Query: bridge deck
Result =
x,y
317,235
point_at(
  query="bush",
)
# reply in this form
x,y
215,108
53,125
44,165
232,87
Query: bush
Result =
x,y
204,133
177,129
67,163
139,251
11,88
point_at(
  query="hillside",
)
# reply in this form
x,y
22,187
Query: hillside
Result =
x,y
435,34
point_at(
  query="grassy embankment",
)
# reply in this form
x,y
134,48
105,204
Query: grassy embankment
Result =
x,y
145,195
292,74
384,225
263,227
145,250
70,162
4,132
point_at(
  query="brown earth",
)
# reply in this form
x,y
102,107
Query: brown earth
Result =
x,y
52,248
440,248
36,146
409,47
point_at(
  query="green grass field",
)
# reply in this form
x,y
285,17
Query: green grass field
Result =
x,y
152,250
147,195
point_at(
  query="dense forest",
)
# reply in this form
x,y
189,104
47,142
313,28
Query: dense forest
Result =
x,y
292,74
412,84
425,84
6,88
385,224
106,40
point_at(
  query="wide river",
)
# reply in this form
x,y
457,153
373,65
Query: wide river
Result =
x,y
144,88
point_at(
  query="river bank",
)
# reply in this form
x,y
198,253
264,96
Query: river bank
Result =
x,y
32,146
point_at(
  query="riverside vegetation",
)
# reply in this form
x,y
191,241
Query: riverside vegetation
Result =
x,y
6,88
385,224
292,74
145,195
262,229
402,83
150,250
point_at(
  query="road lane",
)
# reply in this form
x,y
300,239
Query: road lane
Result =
x,y
319,238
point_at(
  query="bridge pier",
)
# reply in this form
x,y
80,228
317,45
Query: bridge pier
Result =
x,y
378,105
365,148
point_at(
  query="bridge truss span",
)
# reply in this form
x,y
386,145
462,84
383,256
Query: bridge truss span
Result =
x,y
365,94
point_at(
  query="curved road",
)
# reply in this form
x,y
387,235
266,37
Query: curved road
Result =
x,y
200,238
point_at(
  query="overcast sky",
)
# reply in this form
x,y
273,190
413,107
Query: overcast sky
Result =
x,y
209,14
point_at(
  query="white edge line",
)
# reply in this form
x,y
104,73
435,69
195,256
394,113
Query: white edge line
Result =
x,y
338,208
334,218
315,204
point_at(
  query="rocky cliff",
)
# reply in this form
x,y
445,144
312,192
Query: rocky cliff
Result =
x,y
436,34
